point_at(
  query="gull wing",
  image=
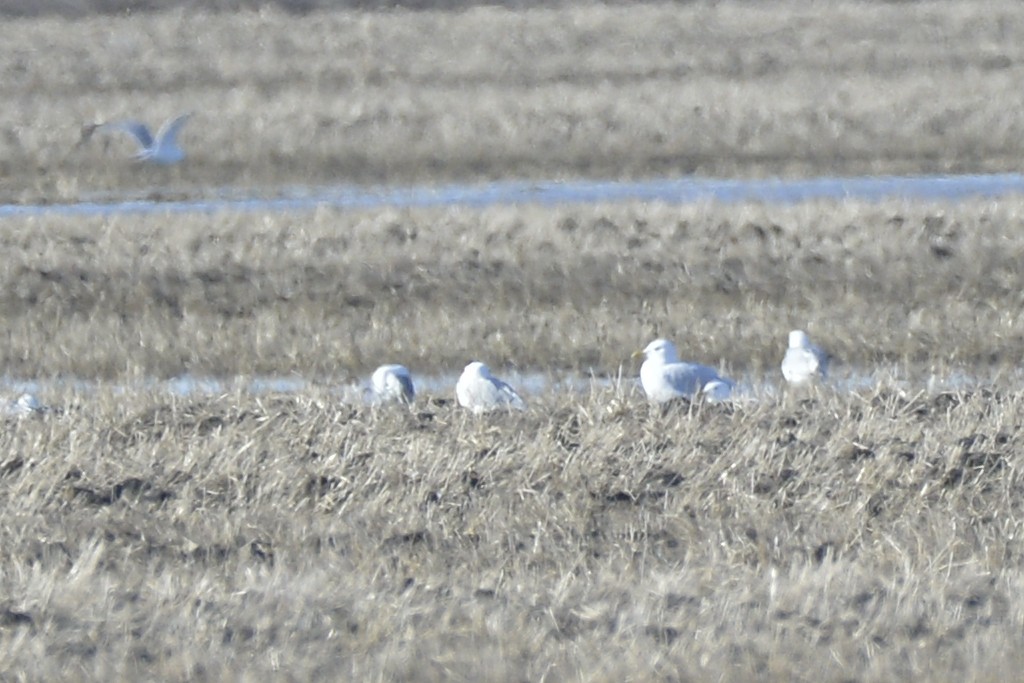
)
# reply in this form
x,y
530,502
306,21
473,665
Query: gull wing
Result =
x,y
168,132
401,384
824,358
136,128
483,394
800,365
393,382
508,394
689,378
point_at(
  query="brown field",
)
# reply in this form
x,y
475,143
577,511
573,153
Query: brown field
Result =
x,y
829,536
840,537
723,89
330,295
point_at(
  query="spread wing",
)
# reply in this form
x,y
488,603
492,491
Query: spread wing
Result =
x,y
135,128
168,132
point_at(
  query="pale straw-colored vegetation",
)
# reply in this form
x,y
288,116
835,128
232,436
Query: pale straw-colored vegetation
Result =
x,y
329,295
829,535
870,537
729,88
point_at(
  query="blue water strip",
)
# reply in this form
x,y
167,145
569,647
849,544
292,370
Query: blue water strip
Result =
x,y
553,193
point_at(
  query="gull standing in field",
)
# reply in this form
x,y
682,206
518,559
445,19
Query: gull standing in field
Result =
x,y
482,392
664,377
393,383
803,360
162,149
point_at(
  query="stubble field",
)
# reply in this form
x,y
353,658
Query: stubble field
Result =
x,y
331,294
826,535
630,90
591,538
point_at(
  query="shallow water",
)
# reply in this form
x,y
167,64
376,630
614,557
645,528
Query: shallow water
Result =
x,y
668,190
749,388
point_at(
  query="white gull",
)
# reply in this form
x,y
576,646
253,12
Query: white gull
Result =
x,y
803,360
393,383
161,149
664,377
482,392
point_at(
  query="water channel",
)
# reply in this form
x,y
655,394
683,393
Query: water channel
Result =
x,y
549,193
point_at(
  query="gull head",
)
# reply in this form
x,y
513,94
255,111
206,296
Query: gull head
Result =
x,y
477,369
660,351
798,339
717,390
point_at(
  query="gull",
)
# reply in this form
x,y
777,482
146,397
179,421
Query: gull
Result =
x,y
803,360
162,149
25,405
393,383
482,392
664,377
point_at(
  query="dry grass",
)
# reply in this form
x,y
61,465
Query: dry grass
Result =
x,y
332,294
834,537
839,537
85,8
732,88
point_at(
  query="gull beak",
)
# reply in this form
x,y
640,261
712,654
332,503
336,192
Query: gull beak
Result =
x,y
638,354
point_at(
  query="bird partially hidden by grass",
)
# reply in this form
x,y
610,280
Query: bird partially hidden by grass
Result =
x,y
804,361
393,383
160,149
26,405
665,378
481,392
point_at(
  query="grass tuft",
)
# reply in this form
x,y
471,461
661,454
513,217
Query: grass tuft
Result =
x,y
285,533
